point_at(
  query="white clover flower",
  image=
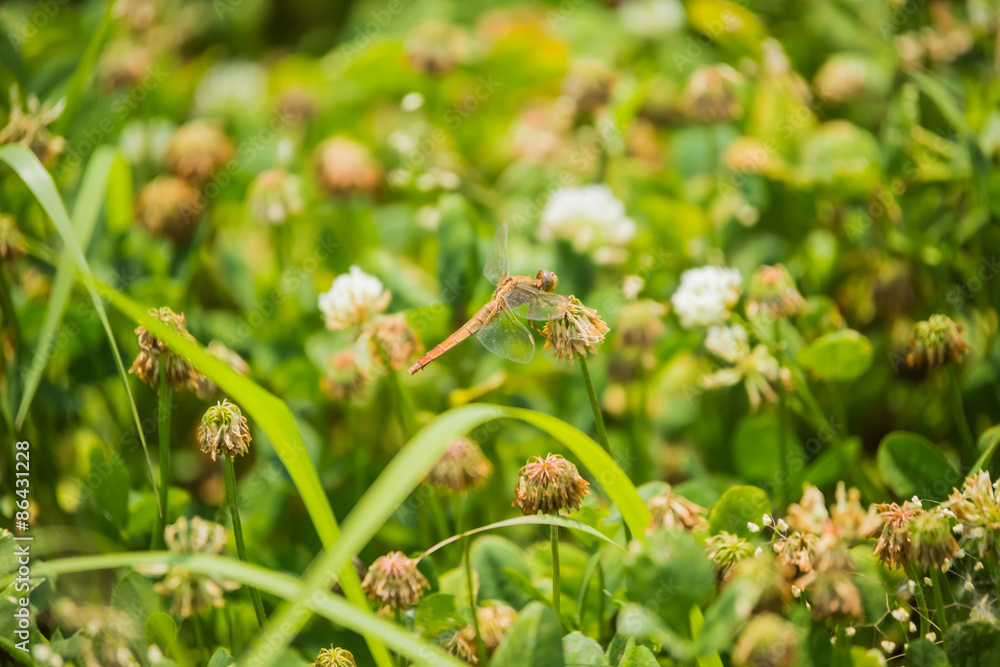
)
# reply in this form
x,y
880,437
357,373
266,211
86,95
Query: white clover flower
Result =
x,y
728,343
592,219
706,295
354,298
231,88
651,18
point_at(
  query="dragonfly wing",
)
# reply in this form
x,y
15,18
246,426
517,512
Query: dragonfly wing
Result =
x,y
505,337
533,304
498,264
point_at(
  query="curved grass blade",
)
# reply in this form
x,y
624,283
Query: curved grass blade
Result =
x,y
537,520
284,586
85,211
409,468
277,421
38,180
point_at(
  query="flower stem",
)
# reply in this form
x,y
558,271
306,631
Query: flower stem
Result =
x,y
163,416
602,434
966,441
469,578
918,591
241,550
554,536
940,618
199,636
398,616
782,419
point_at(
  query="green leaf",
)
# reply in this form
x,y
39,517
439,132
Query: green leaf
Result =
x,y
31,171
492,557
537,520
973,643
580,650
284,586
221,658
841,355
111,493
924,653
737,507
987,445
535,640
275,418
436,614
637,655
408,469
669,575
757,448
911,465
162,631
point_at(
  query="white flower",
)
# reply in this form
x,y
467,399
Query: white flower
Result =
x,y
728,343
592,219
782,526
888,646
850,630
632,285
752,527
766,519
913,627
931,636
706,295
651,18
232,87
353,299
900,614
412,101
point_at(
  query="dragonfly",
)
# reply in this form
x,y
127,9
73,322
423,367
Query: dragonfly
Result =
x,y
495,324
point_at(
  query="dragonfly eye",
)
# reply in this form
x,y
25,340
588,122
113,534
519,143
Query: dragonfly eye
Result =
x,y
549,280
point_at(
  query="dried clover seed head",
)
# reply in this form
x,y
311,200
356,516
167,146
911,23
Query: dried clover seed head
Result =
x,y
394,581
549,485
224,429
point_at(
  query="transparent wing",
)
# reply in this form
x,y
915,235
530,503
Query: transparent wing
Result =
x,y
505,337
533,304
498,264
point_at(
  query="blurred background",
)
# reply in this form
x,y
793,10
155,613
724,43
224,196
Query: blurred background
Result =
x,y
270,146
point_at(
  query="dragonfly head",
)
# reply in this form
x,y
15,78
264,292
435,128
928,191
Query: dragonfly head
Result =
x,y
547,279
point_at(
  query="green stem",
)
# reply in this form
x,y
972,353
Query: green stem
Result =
x,y
437,514
199,637
918,591
398,615
241,550
554,536
469,578
398,397
814,415
782,444
600,603
966,441
602,434
940,618
163,416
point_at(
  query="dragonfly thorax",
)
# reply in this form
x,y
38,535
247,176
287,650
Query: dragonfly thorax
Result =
x,y
547,280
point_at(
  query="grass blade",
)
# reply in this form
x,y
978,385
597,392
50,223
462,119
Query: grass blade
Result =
x,y
38,180
537,520
84,218
277,421
280,585
409,468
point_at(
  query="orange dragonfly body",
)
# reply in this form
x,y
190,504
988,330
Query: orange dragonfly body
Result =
x,y
495,325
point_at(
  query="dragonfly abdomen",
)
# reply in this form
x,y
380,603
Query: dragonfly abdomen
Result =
x,y
474,324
